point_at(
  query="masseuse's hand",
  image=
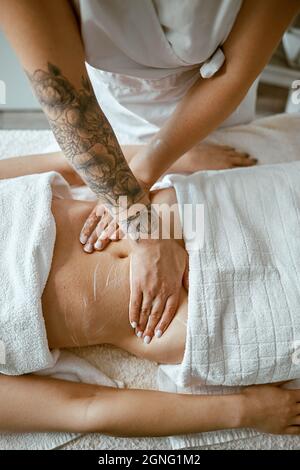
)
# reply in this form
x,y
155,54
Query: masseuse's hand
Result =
x,y
99,229
158,268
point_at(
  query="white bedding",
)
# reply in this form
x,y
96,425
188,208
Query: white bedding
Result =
x,y
273,139
244,295
244,292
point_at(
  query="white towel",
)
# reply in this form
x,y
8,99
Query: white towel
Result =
x,y
27,236
244,284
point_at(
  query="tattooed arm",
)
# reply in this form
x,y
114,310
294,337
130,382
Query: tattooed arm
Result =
x,y
46,37
86,137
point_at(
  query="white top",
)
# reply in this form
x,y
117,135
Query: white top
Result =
x,y
144,55
154,38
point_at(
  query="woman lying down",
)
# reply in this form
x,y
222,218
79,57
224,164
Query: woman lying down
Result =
x,y
85,302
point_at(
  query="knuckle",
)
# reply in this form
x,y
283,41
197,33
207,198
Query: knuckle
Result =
x,y
87,226
142,325
151,291
135,304
147,304
145,311
171,311
155,315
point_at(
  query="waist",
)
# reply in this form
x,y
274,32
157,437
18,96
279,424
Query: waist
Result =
x,y
86,299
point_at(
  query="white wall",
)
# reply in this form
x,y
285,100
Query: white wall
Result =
x,y
18,92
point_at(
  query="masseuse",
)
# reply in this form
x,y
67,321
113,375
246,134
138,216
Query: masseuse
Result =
x,y
165,73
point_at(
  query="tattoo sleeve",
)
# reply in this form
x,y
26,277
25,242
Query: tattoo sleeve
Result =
x,y
85,136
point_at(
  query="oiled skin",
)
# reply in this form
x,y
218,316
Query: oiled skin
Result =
x,y
86,297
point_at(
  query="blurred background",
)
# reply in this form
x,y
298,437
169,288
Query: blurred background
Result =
x,y
22,111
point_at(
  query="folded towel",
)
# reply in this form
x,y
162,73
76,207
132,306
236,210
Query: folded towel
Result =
x,y
27,236
244,287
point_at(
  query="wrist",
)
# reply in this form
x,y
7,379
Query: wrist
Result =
x,y
140,168
151,162
236,411
140,220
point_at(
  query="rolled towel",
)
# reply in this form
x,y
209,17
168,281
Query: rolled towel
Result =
x,y
27,236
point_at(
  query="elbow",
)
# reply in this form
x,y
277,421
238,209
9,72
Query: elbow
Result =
x,y
89,414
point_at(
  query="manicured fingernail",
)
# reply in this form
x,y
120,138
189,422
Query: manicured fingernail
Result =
x,y
139,334
98,245
83,239
133,324
88,248
158,333
147,339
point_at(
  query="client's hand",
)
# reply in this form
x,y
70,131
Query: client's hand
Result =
x,y
99,229
270,408
158,268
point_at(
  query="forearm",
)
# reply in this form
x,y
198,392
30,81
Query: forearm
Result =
x,y
47,40
152,413
256,33
206,105
42,163
55,161
31,403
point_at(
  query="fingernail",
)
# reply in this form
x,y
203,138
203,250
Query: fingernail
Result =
x,y
139,334
147,339
98,245
133,324
88,248
83,239
158,333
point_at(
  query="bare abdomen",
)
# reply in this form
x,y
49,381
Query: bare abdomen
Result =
x,y
86,297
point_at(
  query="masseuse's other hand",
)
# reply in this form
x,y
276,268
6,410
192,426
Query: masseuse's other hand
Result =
x,y
99,229
158,268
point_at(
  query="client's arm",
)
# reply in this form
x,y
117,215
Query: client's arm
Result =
x,y
28,165
31,403
219,157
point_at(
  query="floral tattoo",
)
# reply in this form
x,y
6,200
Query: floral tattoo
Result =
x,y
85,136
